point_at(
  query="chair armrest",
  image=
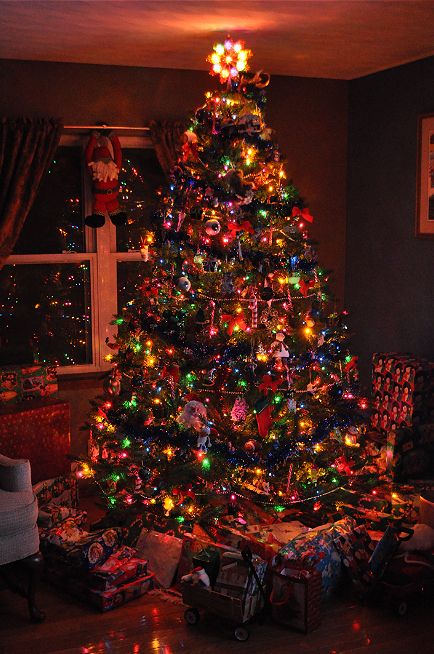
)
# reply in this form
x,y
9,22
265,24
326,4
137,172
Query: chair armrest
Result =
x,y
15,474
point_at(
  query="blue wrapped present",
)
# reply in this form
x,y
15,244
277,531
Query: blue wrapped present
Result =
x,y
316,549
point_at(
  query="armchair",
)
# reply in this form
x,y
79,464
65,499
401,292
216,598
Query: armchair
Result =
x,y
20,559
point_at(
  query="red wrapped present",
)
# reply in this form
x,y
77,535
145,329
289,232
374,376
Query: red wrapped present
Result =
x,y
296,597
38,431
120,568
114,597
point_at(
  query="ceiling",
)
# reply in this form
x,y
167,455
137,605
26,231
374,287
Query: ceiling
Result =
x,y
318,38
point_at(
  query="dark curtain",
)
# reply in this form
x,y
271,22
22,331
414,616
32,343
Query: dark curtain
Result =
x,y
27,147
166,137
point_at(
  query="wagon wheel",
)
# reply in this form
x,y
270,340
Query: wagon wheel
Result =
x,y
191,616
400,608
241,633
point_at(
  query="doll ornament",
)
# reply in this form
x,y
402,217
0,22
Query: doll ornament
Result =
x,y
193,416
278,347
104,159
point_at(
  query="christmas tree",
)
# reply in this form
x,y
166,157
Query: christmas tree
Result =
x,y
232,379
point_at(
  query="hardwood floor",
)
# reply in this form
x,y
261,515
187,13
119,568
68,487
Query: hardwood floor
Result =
x,y
152,625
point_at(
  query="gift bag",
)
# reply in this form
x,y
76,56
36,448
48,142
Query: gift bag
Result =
x,y
163,553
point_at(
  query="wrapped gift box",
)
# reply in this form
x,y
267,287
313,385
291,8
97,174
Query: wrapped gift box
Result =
x,y
114,597
10,384
296,597
53,514
316,549
81,549
38,431
27,383
402,387
68,579
120,568
62,491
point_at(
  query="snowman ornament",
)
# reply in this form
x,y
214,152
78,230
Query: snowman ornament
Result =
x,y
278,347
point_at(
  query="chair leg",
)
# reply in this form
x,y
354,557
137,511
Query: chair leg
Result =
x,y
34,566
22,577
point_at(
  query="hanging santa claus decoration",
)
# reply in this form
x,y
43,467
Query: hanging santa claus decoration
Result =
x,y
104,159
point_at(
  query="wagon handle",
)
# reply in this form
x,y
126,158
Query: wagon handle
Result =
x,y
246,553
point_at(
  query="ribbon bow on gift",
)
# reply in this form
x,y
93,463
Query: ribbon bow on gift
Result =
x,y
302,213
306,286
234,321
245,226
268,384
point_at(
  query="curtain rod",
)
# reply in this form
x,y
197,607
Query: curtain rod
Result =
x,y
100,127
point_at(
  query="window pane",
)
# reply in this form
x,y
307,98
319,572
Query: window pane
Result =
x,y
130,278
55,222
45,314
140,176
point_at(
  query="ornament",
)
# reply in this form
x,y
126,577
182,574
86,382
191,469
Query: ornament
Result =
x,y
235,323
200,317
112,384
351,437
227,287
264,418
302,214
253,306
211,264
278,347
203,439
292,405
189,148
245,226
212,227
184,284
306,286
251,446
168,505
193,416
261,354
268,384
239,410
267,293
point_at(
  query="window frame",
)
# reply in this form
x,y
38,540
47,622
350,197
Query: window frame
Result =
x,y
100,252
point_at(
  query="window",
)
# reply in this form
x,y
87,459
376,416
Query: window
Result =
x,y
64,282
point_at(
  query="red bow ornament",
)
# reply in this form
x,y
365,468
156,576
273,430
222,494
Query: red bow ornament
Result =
x,y
235,323
302,214
351,364
245,226
306,286
171,371
268,384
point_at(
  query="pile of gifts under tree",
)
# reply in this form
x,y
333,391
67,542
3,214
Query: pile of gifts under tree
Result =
x,y
290,566
290,563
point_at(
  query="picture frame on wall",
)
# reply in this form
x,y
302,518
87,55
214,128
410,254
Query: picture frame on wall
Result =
x,y
425,178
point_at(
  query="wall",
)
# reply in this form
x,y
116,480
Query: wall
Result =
x,y
390,273
309,117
